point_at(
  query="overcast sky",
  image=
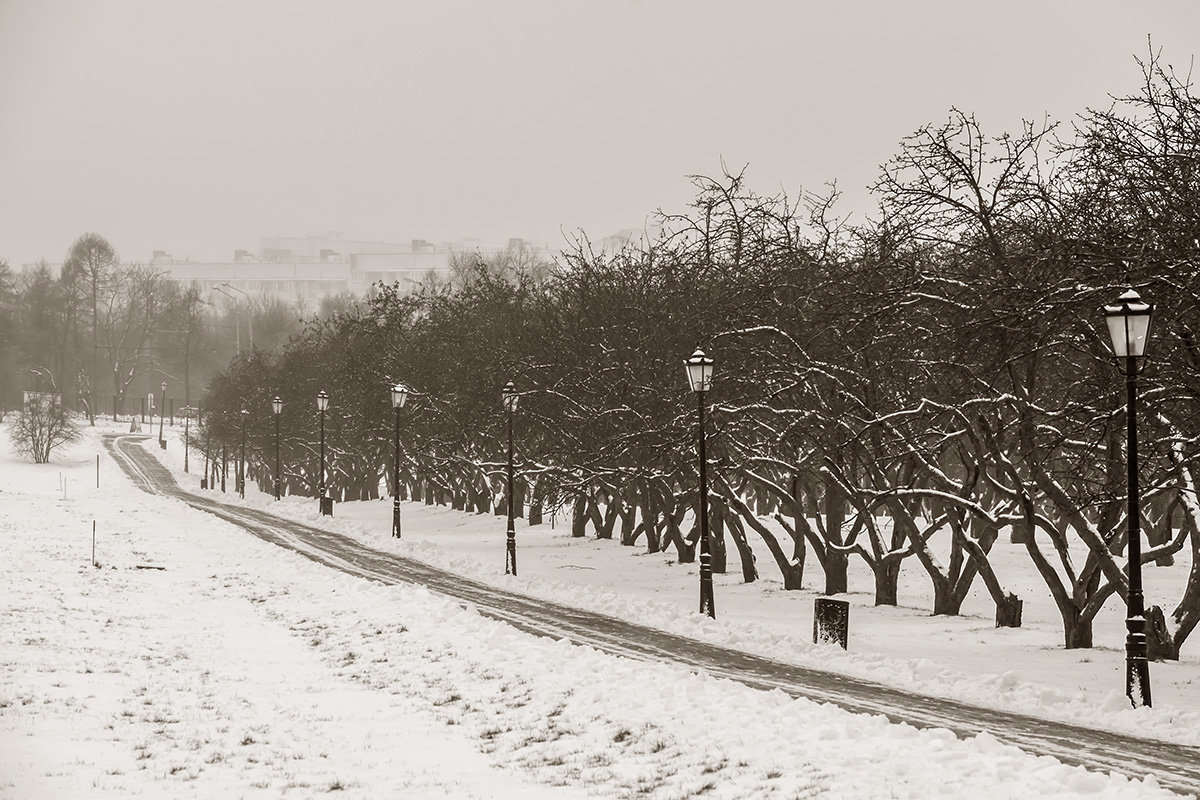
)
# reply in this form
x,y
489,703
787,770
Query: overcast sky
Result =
x,y
197,127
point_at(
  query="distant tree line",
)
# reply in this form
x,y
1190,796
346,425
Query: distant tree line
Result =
x,y
902,390
103,333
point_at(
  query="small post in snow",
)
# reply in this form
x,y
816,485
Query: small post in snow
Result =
x,y
831,622
93,543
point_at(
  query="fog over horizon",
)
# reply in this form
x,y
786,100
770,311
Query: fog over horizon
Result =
x,y
198,128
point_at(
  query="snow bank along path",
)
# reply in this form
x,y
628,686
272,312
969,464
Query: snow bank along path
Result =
x,y
1176,766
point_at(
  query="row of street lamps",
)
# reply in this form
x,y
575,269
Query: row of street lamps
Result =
x,y
399,395
1128,323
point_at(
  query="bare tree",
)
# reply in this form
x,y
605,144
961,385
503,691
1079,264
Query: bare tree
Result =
x,y
88,267
184,311
131,311
9,336
43,424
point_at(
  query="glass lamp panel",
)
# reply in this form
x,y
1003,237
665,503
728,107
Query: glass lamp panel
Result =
x,y
277,405
699,371
1138,326
399,395
1117,333
322,401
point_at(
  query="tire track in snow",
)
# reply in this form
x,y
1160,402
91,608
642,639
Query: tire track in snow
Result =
x,y
1174,766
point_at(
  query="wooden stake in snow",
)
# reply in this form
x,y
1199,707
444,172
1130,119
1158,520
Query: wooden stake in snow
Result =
x,y
97,470
93,543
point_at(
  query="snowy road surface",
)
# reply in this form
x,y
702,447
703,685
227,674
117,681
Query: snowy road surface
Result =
x,y
1175,766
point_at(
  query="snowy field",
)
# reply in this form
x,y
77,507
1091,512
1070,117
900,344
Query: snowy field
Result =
x,y
198,661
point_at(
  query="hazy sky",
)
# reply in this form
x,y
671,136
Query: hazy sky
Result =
x,y
198,126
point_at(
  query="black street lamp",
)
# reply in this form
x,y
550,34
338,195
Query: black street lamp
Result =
x,y
1129,328
277,407
510,549
208,473
241,476
399,395
186,427
326,503
161,413
699,373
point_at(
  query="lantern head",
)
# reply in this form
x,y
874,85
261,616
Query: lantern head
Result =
x,y
399,395
699,371
1129,325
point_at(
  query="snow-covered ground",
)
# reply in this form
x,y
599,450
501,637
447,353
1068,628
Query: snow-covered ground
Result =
x,y
242,670
966,657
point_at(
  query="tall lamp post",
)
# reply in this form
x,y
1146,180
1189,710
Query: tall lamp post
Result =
x,y
161,413
186,426
325,503
277,408
699,373
204,482
1129,328
237,321
249,311
241,476
510,547
399,395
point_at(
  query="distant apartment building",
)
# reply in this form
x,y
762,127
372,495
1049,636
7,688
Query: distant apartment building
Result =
x,y
305,269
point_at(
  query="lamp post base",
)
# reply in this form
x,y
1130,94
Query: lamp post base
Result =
x,y
510,554
396,517
1137,665
707,600
327,506
1137,681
